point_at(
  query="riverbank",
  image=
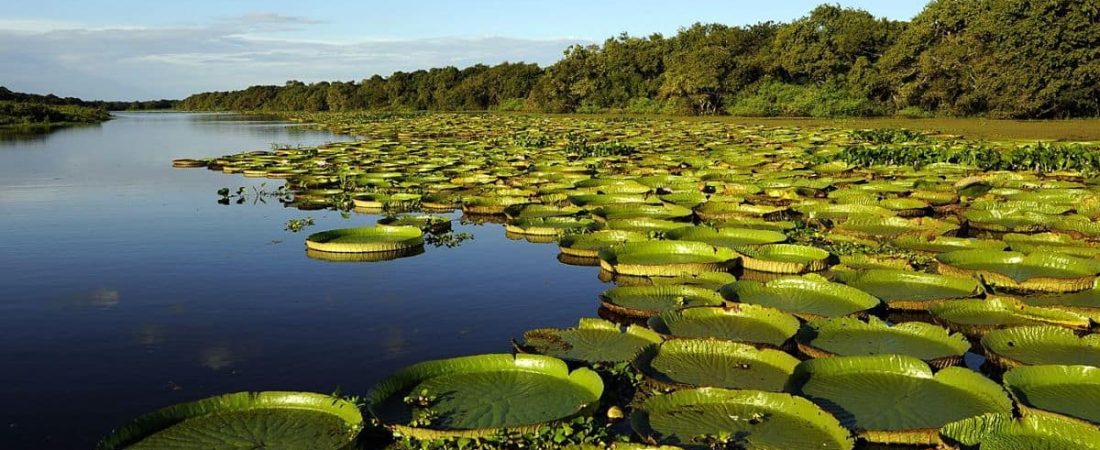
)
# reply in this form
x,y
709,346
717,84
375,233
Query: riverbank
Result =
x,y
40,115
1069,130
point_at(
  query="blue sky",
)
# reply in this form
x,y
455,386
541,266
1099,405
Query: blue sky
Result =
x,y
151,49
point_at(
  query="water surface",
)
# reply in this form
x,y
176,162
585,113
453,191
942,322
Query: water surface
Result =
x,y
125,286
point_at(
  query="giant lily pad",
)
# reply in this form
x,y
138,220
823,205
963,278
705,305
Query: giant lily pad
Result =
x,y
1036,345
1072,391
727,237
848,336
943,244
548,226
1085,302
366,239
746,323
667,258
1036,272
719,210
1052,242
478,395
896,398
1008,220
755,420
808,296
977,317
837,211
245,420
643,225
426,222
589,245
715,363
1002,432
785,258
647,301
592,341
891,227
909,290
634,210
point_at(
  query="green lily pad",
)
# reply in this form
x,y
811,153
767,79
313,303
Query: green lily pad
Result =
x,y
1035,272
910,290
756,420
848,336
1085,302
426,222
366,239
1002,432
784,258
591,341
896,398
475,396
808,296
548,226
975,317
589,245
647,301
745,323
727,237
667,258
635,210
943,244
1039,345
871,226
245,420
716,363
1072,391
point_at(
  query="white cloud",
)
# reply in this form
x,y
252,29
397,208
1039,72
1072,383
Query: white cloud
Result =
x,y
232,53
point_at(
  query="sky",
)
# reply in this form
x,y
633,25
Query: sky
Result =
x,y
151,49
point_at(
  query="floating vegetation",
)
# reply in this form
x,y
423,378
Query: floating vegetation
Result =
x,y
1039,345
715,363
710,418
296,225
847,336
591,341
1069,391
751,324
245,420
366,239
1003,432
897,399
475,396
835,278
648,301
667,258
810,296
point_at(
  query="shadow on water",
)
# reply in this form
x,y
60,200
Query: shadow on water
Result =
x,y
32,133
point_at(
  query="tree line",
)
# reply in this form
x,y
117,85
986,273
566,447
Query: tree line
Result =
x,y
50,99
994,58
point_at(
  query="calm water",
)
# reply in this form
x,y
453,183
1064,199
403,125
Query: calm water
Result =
x,y
125,286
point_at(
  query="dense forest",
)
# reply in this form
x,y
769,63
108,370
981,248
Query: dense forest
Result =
x,y
38,114
22,109
994,58
50,99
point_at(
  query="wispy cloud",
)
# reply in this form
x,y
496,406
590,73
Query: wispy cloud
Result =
x,y
229,53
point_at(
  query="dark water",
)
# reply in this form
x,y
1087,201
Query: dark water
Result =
x,y
125,286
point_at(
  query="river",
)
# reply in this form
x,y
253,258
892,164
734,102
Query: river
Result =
x,y
125,286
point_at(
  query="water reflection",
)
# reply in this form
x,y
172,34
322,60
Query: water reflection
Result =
x,y
216,358
363,257
149,335
104,298
34,133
